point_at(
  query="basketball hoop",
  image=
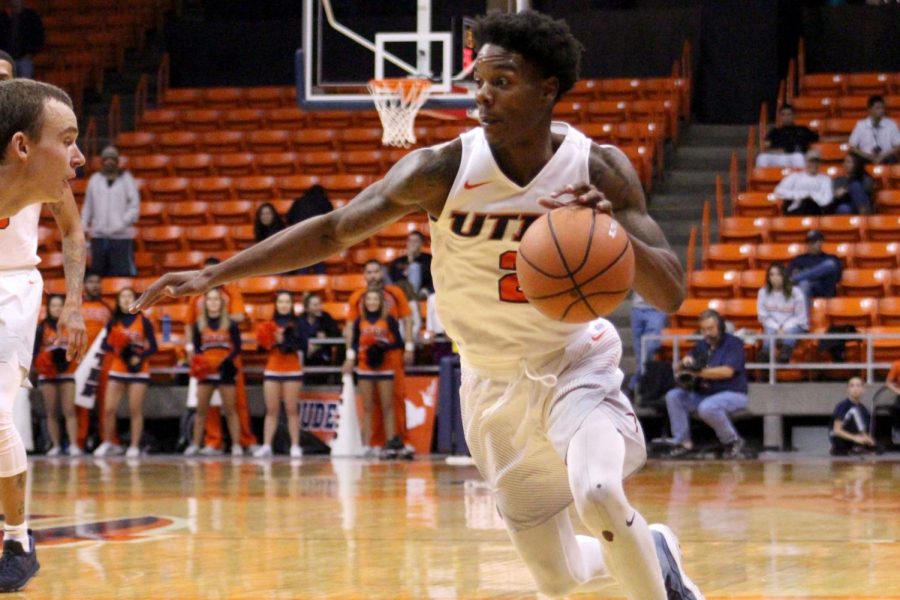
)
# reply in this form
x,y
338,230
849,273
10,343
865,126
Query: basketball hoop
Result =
x,y
398,101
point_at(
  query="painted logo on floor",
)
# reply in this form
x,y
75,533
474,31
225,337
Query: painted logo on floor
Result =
x,y
127,529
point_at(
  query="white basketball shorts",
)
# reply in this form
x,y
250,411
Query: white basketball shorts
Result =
x,y
519,420
20,305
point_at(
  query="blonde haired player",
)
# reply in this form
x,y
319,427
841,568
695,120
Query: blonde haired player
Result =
x,y
543,413
37,133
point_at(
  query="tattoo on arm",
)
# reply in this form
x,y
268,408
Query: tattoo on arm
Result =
x,y
73,258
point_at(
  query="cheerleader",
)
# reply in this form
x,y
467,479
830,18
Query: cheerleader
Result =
x,y
375,333
217,346
56,377
283,374
131,340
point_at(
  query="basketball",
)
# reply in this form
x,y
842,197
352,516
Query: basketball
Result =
x,y
575,264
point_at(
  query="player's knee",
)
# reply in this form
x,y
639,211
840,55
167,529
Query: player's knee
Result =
x,y
604,494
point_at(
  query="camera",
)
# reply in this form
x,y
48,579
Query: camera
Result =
x,y
688,377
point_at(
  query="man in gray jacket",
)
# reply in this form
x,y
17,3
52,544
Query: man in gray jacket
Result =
x,y
111,208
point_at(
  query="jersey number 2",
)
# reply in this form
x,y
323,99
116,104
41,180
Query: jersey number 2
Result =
x,y
509,283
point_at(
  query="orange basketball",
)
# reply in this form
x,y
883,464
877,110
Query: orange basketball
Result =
x,y
575,264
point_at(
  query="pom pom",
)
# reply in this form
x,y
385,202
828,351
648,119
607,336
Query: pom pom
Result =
x,y
117,340
43,364
265,334
200,367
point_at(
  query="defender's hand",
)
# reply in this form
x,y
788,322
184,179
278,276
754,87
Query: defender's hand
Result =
x,y
185,283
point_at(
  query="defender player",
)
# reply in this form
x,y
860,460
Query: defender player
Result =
x,y
543,413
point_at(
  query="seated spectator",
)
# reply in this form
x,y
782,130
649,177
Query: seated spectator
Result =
x,y
713,383
876,138
786,145
809,191
893,383
850,425
781,308
267,222
646,319
413,267
315,324
313,203
815,272
853,190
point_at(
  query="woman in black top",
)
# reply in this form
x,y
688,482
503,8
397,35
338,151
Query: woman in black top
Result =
x,y
316,323
267,222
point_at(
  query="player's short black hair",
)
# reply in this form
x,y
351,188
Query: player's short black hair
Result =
x,y
540,39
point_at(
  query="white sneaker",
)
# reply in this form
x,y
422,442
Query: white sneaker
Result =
x,y
262,452
102,449
296,452
115,450
210,451
133,452
668,551
54,451
75,451
236,450
191,450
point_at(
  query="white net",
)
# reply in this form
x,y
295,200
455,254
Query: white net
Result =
x,y
398,101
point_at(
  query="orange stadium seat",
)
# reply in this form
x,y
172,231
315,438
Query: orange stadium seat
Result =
x,y
260,289
833,153
852,107
344,186
193,165
159,121
320,163
243,236
179,313
868,84
146,264
842,250
822,84
842,228
864,282
264,97
757,204
569,111
234,164
307,284
712,284
211,189
151,165
859,312
584,90
337,310
231,212
743,230
395,234
876,255
887,202
177,142
152,213
285,118
187,213
791,229
223,97
893,177
690,309
886,349
620,89
657,111
182,99
729,256
742,312
356,138
136,143
767,254
168,189
79,186
217,142
259,312
162,238
839,128
889,310
292,186
607,111
268,140
342,286
315,140
255,187
364,161
750,282
57,285
209,238
111,286
202,120
384,255
183,261
813,107
764,179
330,119
883,228
277,163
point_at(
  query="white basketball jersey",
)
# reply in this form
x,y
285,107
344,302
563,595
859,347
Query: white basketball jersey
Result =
x,y
19,239
474,244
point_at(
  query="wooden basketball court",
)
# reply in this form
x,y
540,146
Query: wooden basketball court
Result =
x,y
346,529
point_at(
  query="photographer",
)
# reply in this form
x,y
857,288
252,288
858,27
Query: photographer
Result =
x,y
712,381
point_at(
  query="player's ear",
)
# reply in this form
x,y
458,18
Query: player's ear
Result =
x,y
18,145
549,89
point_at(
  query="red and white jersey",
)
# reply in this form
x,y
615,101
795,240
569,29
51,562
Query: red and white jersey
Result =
x,y
19,239
474,244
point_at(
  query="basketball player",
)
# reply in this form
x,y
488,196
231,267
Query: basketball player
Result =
x,y
543,413
37,133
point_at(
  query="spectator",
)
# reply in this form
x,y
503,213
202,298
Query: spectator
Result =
x,y
131,340
809,191
7,67
414,266
850,425
853,190
97,314
715,384
317,324
815,272
893,383
216,348
781,308
645,320
876,138
111,208
267,222
56,376
22,35
283,373
375,333
313,203
786,144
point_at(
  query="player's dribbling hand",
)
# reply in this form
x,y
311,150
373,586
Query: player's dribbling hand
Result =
x,y
582,195
73,324
185,283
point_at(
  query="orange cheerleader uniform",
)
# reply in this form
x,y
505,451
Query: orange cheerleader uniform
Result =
x,y
373,339
217,347
284,362
128,336
50,354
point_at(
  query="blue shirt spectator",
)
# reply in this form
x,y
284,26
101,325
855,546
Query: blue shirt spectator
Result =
x,y
815,272
728,353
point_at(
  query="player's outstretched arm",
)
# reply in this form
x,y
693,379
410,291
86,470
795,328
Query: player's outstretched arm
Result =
x,y
422,179
65,212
